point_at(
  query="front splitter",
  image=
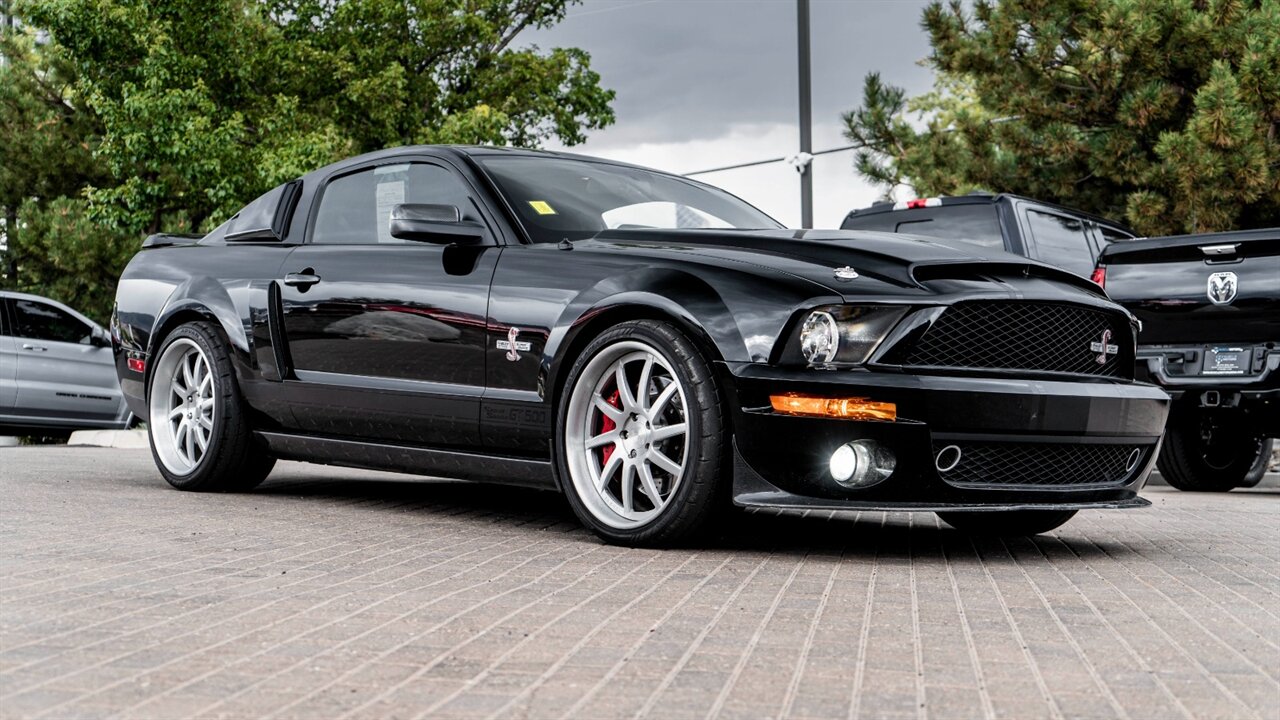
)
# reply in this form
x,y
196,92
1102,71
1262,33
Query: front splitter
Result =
x,y
786,501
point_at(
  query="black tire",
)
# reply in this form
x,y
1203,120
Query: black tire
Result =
x,y
1259,469
697,502
233,460
1008,523
1204,452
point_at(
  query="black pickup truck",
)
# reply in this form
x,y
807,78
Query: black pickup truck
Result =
x,y
1210,311
1062,236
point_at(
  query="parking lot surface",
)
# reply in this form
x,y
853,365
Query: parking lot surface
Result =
x,y
335,593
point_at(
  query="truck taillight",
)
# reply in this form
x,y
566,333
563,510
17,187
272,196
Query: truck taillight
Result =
x,y
918,203
1100,275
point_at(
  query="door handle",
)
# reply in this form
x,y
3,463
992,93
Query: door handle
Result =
x,y
34,348
304,279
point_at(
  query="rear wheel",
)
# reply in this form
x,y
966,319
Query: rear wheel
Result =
x,y
200,438
639,436
1010,523
1208,451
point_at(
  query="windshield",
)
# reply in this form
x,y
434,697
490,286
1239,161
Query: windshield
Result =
x,y
559,198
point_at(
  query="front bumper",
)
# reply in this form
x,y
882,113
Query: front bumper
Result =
x,y
782,460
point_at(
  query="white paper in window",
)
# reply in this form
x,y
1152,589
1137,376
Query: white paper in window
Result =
x,y
389,194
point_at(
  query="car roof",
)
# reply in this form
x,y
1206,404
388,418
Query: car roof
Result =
x,y
26,296
479,151
983,198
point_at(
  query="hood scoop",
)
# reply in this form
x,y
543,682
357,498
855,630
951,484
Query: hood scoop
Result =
x,y
924,272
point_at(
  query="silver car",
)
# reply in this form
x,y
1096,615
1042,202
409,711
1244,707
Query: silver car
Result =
x,y
57,372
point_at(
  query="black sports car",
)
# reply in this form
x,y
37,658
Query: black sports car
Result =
x,y
651,346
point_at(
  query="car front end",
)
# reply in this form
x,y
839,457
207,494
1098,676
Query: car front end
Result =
x,y
975,403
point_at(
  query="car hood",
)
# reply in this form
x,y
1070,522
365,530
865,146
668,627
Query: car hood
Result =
x,y
902,262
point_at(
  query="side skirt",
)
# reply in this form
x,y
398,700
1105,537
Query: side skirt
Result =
x,y
419,461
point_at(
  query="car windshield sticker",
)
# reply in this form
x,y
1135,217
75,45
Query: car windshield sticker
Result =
x,y
541,207
389,194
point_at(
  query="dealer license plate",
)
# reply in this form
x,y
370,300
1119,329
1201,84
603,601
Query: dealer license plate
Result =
x,y
1227,360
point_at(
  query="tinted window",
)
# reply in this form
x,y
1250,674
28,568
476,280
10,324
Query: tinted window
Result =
x,y
1061,241
880,222
39,321
1111,234
973,224
356,208
558,198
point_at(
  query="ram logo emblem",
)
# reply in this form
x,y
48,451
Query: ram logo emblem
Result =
x,y
1223,287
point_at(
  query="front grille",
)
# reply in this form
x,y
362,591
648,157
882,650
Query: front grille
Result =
x,y
1023,336
1015,464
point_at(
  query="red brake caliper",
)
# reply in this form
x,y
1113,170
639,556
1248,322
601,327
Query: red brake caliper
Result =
x,y
606,425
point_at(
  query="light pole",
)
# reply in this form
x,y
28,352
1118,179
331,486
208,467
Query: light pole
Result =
x,y
805,158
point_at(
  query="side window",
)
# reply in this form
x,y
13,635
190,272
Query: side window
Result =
x,y
1110,234
356,208
4,317
1061,241
39,321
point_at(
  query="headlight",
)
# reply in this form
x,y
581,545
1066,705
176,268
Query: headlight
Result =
x,y
819,338
846,333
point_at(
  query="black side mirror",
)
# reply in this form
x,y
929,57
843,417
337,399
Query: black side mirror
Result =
x,y
99,338
440,224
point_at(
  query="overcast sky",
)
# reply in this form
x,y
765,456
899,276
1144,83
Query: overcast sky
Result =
x,y
707,83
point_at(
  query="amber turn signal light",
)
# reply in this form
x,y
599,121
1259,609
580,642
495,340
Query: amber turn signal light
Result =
x,y
846,408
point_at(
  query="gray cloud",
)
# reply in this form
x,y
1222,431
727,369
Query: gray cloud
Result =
x,y
688,69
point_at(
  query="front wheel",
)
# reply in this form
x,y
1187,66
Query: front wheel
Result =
x,y
1007,523
200,437
639,436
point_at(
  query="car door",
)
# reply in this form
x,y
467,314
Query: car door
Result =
x,y
386,337
8,362
61,373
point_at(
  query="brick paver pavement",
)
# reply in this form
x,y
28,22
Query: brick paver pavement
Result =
x,y
333,593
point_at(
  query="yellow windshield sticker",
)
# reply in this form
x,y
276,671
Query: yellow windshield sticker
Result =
x,y
541,207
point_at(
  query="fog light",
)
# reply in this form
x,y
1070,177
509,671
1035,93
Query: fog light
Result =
x,y
861,463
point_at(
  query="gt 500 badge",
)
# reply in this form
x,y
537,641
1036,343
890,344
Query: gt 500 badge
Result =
x,y
512,346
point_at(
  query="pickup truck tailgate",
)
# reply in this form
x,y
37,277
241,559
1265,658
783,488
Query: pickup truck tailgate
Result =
x,y
1194,289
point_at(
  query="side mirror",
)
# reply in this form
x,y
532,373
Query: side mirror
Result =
x,y
99,338
440,224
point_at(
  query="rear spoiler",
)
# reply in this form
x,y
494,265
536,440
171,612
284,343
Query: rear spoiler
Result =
x,y
1205,246
167,239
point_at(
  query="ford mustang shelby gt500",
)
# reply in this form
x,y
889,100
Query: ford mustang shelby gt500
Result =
x,y
651,346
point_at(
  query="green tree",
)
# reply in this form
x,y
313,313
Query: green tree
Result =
x,y
1165,113
46,161
187,109
206,103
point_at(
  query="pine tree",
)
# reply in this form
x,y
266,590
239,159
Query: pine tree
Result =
x,y
1164,113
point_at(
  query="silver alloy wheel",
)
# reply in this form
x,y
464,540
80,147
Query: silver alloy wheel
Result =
x,y
182,406
627,434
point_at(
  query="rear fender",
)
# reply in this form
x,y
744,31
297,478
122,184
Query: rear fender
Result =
x,y
208,298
